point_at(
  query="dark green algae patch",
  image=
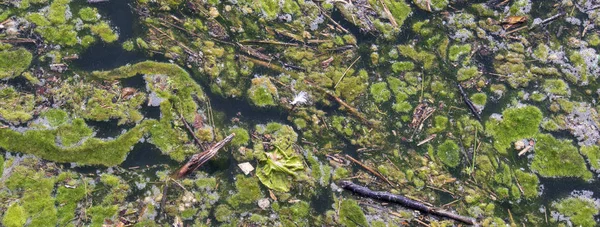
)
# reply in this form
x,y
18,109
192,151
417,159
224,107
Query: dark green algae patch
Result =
x,y
307,82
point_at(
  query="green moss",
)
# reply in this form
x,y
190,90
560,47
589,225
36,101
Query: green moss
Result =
x,y
128,45
351,214
541,52
456,51
467,73
263,93
101,213
427,59
248,191
14,216
550,125
579,210
223,213
14,62
516,123
556,87
71,134
57,12
592,153
594,40
89,14
380,92
104,31
92,152
529,183
402,107
16,107
440,124
479,99
241,136
402,66
350,87
449,153
558,158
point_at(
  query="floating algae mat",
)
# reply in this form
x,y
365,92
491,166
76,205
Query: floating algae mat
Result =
x,y
485,110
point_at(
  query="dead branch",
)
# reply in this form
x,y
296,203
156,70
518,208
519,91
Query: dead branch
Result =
x,y
404,201
374,172
198,159
187,126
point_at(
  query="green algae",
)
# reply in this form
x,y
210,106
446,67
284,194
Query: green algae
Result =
x,y
380,92
579,210
262,92
457,51
16,107
104,31
280,162
14,62
351,214
93,151
592,153
558,158
467,73
14,216
556,87
529,183
449,153
516,123
248,191
241,136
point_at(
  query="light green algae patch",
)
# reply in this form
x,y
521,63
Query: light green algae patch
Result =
x,y
351,214
449,153
517,123
93,151
14,62
579,210
592,153
558,158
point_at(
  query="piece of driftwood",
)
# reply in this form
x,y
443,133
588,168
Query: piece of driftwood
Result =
x,y
474,110
198,159
404,201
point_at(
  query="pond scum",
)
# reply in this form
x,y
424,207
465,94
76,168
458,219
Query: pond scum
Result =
x,y
316,92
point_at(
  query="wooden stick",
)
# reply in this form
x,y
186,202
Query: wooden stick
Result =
x,y
369,169
192,132
198,159
404,201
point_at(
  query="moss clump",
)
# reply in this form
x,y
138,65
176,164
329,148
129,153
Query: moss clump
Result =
x,y
128,45
223,213
16,107
426,58
440,124
89,14
516,123
241,136
380,92
558,158
103,30
14,62
580,210
403,66
592,153
556,87
351,215
467,73
350,87
529,183
14,216
479,99
263,93
248,191
101,213
456,51
449,153
91,152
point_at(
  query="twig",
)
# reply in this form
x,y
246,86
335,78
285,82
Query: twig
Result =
x,y
514,30
192,132
547,20
389,14
474,110
335,23
510,216
198,159
404,201
346,71
351,109
429,138
369,169
271,42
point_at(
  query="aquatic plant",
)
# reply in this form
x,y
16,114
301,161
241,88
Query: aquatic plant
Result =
x,y
379,92
516,123
262,92
351,214
558,158
448,152
579,209
14,62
